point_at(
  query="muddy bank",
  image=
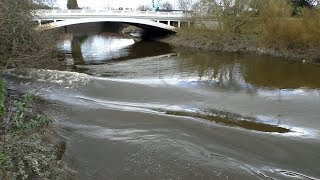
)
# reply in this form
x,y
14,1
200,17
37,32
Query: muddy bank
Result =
x,y
237,45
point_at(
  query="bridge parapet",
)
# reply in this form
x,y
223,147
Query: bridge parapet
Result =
x,y
128,13
59,18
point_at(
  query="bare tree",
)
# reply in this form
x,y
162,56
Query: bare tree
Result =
x,y
20,44
232,16
50,3
185,4
166,6
144,8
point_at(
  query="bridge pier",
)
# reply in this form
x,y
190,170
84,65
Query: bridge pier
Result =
x,y
179,24
39,22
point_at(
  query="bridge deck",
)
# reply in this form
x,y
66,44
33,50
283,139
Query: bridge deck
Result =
x,y
76,14
148,18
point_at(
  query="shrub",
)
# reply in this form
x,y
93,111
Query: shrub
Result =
x,y
311,26
20,44
280,29
2,98
26,157
23,118
268,23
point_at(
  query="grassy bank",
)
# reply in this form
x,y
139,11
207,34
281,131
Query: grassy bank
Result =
x,y
238,45
266,27
30,148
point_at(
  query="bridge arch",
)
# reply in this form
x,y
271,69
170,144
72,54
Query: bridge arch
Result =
x,y
142,23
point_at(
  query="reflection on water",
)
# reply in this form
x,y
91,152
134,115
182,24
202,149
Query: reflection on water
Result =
x,y
263,75
222,70
237,71
150,111
96,48
100,48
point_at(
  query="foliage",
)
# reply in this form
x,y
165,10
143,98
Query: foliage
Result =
x,y
24,149
5,162
233,17
298,5
24,119
4,159
280,29
20,44
297,10
256,23
72,4
2,98
27,157
303,3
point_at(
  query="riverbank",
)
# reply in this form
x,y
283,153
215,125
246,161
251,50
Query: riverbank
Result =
x,y
301,54
30,146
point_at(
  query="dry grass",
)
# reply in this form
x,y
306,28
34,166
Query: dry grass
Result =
x,y
280,29
311,25
269,24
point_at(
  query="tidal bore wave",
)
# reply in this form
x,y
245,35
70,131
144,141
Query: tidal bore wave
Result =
x,y
64,78
217,116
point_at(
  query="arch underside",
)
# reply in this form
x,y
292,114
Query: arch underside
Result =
x,y
147,25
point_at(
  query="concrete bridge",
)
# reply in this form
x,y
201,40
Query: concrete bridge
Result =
x,y
165,21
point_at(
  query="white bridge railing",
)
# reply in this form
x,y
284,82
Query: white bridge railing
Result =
x,y
128,13
164,20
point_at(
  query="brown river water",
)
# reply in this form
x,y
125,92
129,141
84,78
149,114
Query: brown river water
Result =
x,y
146,110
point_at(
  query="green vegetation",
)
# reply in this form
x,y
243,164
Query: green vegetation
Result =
x,y
72,4
26,158
2,98
25,149
23,119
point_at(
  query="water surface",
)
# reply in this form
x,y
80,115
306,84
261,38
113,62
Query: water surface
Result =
x,y
145,110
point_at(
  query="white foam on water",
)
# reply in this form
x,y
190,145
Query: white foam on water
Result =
x,y
65,78
288,93
170,80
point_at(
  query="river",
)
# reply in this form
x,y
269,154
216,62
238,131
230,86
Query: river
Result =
x,y
146,110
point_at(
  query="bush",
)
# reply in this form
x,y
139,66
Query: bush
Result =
x,y
253,23
24,152
20,44
311,26
2,98
27,157
280,29
232,18
23,118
